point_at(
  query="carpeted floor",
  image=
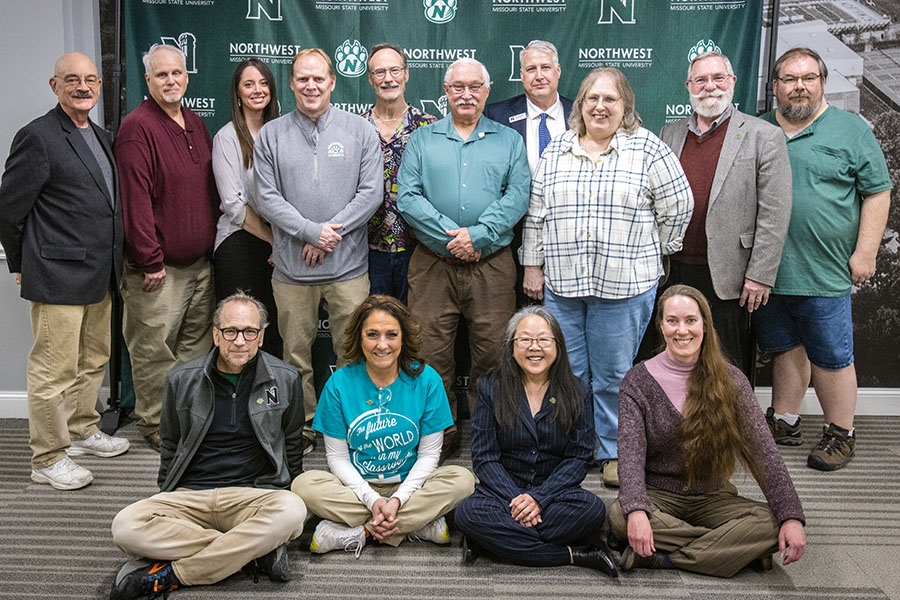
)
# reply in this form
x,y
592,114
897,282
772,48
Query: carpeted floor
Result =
x,y
58,545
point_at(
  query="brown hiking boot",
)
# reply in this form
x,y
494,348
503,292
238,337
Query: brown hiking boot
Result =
x,y
782,433
834,450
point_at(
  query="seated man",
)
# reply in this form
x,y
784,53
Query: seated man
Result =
x,y
231,436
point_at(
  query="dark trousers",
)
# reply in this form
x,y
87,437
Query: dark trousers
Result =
x,y
732,321
574,517
241,262
387,273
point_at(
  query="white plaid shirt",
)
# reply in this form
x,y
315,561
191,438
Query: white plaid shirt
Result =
x,y
598,230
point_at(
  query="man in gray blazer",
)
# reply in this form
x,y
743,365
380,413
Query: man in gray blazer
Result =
x,y
61,227
740,175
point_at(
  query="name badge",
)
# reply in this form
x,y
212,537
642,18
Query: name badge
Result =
x,y
517,117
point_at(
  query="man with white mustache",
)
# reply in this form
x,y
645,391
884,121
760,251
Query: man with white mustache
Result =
x,y
463,186
841,199
740,176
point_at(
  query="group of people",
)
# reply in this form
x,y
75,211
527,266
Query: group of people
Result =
x,y
537,198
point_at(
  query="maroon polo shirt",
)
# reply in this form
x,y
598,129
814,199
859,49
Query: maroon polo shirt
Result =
x,y
699,158
169,198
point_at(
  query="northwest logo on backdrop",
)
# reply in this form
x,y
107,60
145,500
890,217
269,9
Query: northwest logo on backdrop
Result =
x,y
701,47
257,8
528,6
619,57
187,43
435,107
612,11
351,58
515,67
435,58
439,11
270,53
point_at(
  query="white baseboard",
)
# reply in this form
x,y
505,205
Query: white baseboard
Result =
x,y
14,405
870,401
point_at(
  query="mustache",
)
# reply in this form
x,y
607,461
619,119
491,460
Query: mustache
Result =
x,y
83,95
713,94
463,102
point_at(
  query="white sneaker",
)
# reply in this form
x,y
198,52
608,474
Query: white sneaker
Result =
x,y
436,532
63,475
332,536
99,444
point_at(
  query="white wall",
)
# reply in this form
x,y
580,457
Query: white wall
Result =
x,y
32,36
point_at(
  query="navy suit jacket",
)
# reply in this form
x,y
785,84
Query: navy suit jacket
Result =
x,y
60,224
505,109
535,456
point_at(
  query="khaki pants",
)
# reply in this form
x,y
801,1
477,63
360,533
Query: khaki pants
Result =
x,y
163,328
209,534
65,372
298,321
443,291
327,497
713,534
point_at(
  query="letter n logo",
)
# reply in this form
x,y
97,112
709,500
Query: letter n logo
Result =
x,y
622,10
272,396
270,8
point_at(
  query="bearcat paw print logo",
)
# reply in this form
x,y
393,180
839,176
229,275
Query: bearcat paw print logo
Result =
x,y
439,11
701,47
351,58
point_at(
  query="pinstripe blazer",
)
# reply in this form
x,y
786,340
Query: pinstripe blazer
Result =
x,y
536,456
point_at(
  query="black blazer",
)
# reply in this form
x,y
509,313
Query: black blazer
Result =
x,y
534,456
504,110
60,225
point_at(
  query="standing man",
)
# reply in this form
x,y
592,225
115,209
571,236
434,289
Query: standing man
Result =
x,y
391,240
61,228
171,207
463,186
231,428
539,115
318,177
842,193
740,176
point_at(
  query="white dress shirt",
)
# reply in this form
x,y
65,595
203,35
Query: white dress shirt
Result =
x,y
556,123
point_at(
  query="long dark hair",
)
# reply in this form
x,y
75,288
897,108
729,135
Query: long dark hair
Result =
x,y
565,387
711,437
410,330
245,139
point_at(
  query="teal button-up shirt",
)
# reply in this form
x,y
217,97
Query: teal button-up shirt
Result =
x,y
481,183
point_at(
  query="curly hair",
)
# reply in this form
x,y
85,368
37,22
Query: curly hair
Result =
x,y
711,437
410,330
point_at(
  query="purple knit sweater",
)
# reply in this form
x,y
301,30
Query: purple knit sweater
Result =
x,y
650,449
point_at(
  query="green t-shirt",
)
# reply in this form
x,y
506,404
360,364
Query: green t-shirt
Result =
x,y
835,163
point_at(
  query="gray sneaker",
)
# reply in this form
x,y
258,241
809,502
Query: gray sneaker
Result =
x,y
330,536
65,474
99,444
435,532
783,434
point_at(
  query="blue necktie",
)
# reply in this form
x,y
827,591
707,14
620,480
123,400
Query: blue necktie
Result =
x,y
543,134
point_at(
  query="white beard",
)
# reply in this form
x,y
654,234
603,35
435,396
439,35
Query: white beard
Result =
x,y
712,104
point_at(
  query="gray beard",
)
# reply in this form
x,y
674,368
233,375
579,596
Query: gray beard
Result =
x,y
713,112
798,113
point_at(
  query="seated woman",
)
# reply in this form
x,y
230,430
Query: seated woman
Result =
x,y
532,445
382,417
684,415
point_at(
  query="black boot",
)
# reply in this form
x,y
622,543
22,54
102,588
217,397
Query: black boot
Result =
x,y
470,550
594,557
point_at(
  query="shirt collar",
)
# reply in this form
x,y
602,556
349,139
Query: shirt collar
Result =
x,y
534,111
695,129
445,127
569,143
169,122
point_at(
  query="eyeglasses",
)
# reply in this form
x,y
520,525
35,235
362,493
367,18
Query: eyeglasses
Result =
x,y
230,333
524,343
459,88
384,398
381,73
718,79
72,81
592,101
807,79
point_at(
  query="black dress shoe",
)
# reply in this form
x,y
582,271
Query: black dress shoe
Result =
x,y
594,557
450,447
633,560
762,564
470,550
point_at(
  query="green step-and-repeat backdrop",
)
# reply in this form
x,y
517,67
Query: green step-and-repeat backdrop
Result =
x,y
651,41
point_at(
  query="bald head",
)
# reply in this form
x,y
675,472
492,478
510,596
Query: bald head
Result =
x,y
77,85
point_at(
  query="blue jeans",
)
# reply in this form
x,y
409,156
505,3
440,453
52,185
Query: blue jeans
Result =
x,y
387,273
602,339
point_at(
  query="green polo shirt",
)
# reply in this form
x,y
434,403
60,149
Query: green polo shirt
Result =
x,y
835,163
481,183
